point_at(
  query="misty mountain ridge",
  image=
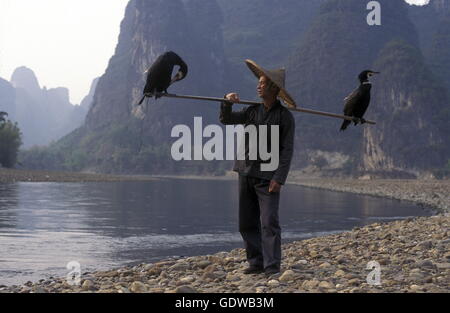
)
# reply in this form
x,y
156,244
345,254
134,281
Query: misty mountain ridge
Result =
x,y
43,115
323,52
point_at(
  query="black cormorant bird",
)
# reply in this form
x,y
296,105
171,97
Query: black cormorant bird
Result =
x,y
159,74
357,102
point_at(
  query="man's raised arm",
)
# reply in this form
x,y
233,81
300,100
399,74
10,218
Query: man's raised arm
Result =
x,y
227,116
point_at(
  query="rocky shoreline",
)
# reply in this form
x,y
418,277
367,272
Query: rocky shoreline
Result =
x,y
413,255
430,194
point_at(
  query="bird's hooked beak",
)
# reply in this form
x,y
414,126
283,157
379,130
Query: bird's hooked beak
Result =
x,y
177,77
373,73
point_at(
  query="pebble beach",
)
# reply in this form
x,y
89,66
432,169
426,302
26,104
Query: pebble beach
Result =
x,y
411,255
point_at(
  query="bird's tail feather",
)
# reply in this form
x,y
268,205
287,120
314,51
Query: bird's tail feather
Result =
x,y
142,100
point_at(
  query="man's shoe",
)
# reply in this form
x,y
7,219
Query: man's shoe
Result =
x,y
253,270
271,271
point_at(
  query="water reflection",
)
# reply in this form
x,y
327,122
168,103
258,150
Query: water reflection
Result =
x,y
8,199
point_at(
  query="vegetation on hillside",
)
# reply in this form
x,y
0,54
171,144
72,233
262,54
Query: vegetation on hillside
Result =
x,y
10,141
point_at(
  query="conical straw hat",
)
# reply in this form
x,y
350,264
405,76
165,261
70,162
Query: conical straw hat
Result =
x,y
278,77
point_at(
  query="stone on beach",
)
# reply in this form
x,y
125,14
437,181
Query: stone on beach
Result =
x,y
138,287
87,285
326,285
273,283
288,275
186,280
185,289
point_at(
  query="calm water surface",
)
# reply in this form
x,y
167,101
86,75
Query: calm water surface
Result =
x,y
43,226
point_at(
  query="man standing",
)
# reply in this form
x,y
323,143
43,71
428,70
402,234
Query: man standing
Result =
x,y
259,191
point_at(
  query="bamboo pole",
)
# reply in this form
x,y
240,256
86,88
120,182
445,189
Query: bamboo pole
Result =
x,y
345,117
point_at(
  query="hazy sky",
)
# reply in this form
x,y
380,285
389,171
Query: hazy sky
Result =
x,y
65,42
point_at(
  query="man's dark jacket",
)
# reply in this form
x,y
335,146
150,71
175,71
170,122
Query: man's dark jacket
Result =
x,y
257,115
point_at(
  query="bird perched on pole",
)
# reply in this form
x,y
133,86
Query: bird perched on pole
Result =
x,y
159,74
358,101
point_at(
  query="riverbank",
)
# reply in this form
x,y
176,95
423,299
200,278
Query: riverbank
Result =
x,y
432,194
414,254
13,176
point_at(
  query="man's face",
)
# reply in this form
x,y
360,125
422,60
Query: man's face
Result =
x,y
263,88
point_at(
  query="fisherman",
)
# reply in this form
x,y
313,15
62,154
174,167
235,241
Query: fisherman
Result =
x,y
259,191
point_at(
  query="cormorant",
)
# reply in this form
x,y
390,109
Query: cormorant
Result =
x,y
159,74
357,102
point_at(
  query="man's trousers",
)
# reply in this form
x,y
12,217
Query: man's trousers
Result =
x,y
259,222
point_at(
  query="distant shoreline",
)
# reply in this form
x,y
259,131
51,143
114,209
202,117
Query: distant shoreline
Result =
x,y
14,176
430,194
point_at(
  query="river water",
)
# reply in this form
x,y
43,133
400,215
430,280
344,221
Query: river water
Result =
x,y
44,226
